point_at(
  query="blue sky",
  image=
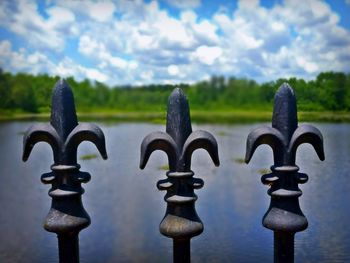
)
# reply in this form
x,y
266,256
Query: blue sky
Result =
x,y
141,42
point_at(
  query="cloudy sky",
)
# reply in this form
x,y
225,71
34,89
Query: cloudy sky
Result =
x,y
141,42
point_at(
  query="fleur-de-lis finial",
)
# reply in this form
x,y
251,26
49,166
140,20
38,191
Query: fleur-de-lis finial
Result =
x,y
67,215
285,136
284,215
181,221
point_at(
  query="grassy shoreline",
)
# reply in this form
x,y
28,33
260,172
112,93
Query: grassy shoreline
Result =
x,y
196,116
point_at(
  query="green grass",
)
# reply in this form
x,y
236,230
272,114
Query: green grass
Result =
x,y
237,116
334,117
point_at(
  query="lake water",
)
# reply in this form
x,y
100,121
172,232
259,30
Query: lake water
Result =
x,y
126,207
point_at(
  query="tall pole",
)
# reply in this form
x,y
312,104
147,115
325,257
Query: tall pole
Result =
x,y
181,221
67,216
284,215
283,247
68,247
182,250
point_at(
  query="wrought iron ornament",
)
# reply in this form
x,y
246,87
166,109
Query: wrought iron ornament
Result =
x,y
67,216
284,215
181,221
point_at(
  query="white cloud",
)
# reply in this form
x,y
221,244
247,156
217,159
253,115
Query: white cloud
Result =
x,y
260,42
147,75
127,42
60,16
189,16
206,32
184,4
207,55
278,26
248,4
87,45
101,11
22,60
309,67
67,67
35,63
94,74
172,32
40,32
97,51
173,70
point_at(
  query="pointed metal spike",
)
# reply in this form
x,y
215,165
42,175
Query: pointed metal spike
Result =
x,y
63,115
178,124
284,116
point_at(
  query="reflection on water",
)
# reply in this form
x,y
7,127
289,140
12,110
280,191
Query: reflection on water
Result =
x,y
126,207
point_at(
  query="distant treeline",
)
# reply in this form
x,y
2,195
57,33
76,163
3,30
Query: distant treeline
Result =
x,y
330,91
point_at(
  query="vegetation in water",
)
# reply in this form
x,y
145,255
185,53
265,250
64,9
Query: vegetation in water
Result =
x,y
222,133
88,156
239,160
164,167
263,171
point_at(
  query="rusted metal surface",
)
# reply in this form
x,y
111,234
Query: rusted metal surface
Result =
x,y
181,221
284,215
67,216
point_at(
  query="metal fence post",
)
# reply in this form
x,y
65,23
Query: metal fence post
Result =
x,y
284,215
67,216
181,221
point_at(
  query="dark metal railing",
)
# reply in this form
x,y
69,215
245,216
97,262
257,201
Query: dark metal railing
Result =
x,y
181,221
67,216
284,215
